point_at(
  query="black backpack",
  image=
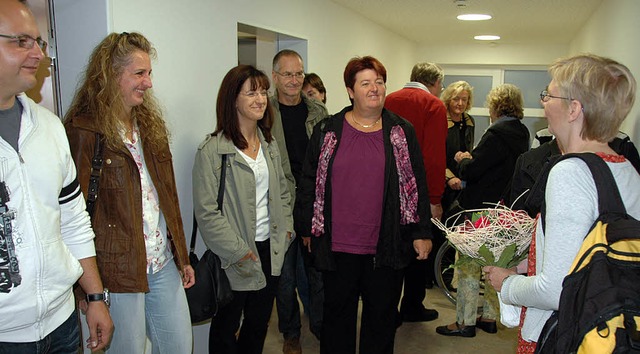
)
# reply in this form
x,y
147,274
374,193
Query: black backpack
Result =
x,y
599,309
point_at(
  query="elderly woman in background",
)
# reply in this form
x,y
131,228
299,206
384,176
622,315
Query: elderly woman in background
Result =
x,y
252,229
140,244
585,103
313,87
487,171
458,98
363,199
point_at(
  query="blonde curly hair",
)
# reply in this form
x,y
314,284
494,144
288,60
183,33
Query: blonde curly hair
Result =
x,y
506,101
100,99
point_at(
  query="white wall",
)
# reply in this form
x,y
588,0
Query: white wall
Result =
x,y
612,31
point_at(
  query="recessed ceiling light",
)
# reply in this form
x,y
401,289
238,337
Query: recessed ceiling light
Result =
x,y
487,37
474,17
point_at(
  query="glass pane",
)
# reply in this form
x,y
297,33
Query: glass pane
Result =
x,y
481,86
482,123
531,82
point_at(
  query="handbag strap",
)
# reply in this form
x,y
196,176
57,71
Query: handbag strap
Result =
x,y
220,199
94,178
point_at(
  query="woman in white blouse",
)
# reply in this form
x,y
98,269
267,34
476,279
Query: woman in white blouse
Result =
x,y
251,230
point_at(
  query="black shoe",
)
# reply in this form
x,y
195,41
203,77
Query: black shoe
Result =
x,y
489,327
466,331
419,315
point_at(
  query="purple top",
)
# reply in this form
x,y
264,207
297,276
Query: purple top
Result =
x,y
357,187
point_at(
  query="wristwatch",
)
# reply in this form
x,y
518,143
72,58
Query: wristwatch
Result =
x,y
103,296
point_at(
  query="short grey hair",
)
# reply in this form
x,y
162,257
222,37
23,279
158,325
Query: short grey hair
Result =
x,y
427,73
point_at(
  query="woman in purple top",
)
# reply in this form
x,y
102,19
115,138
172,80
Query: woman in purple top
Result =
x,y
364,201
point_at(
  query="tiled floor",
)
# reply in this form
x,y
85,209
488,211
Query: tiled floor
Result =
x,y
417,337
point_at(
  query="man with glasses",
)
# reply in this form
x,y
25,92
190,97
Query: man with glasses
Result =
x,y
46,241
418,102
294,118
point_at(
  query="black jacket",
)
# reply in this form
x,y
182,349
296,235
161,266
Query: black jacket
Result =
x,y
527,169
395,244
488,173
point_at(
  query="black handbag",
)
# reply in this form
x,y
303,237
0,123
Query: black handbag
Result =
x,y
94,178
211,290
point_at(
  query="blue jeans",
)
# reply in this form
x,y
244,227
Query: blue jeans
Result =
x,y
63,340
286,297
315,289
162,314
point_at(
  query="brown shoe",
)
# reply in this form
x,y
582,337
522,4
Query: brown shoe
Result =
x,y
292,346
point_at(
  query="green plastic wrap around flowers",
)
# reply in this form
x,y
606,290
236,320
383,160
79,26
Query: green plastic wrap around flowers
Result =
x,y
496,236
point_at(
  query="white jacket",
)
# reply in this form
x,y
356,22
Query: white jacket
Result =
x,y
51,229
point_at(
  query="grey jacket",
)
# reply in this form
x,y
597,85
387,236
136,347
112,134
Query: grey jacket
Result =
x,y
317,112
232,235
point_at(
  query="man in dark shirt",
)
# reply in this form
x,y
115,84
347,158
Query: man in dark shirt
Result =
x,y
294,118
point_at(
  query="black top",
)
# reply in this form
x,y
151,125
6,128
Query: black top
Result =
x,y
489,171
295,135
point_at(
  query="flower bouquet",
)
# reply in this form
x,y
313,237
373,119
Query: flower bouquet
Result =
x,y
496,236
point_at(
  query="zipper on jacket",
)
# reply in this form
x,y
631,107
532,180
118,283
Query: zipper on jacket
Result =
x,y
20,157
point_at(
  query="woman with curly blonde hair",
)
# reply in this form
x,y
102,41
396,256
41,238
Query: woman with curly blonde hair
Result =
x,y
140,244
458,98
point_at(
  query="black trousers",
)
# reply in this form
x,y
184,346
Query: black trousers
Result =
x,y
256,307
379,289
418,273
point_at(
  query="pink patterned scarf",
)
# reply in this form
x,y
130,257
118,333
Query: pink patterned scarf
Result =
x,y
326,151
408,187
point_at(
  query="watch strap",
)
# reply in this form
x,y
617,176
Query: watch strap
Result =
x,y
95,297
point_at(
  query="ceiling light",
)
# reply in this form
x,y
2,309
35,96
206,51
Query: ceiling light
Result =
x,y
487,37
474,17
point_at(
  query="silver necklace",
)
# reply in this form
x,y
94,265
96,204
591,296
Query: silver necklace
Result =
x,y
353,116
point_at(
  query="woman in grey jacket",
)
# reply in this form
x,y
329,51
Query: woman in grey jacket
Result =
x,y
252,229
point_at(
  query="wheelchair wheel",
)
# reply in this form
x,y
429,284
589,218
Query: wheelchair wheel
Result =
x,y
446,257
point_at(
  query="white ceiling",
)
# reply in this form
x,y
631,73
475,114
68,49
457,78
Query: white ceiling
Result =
x,y
516,21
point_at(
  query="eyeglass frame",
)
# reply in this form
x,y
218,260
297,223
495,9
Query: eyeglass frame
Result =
x,y
545,96
287,75
26,39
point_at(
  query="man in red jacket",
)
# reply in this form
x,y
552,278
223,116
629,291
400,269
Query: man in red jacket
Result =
x,y
418,102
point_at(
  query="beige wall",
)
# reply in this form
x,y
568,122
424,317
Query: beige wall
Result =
x,y
492,54
612,31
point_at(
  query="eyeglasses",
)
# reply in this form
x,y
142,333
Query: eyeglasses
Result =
x,y
254,94
545,96
26,41
288,75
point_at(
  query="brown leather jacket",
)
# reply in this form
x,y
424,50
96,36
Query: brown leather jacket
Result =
x,y
117,216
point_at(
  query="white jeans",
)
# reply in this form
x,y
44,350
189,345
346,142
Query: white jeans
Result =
x,y
162,314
